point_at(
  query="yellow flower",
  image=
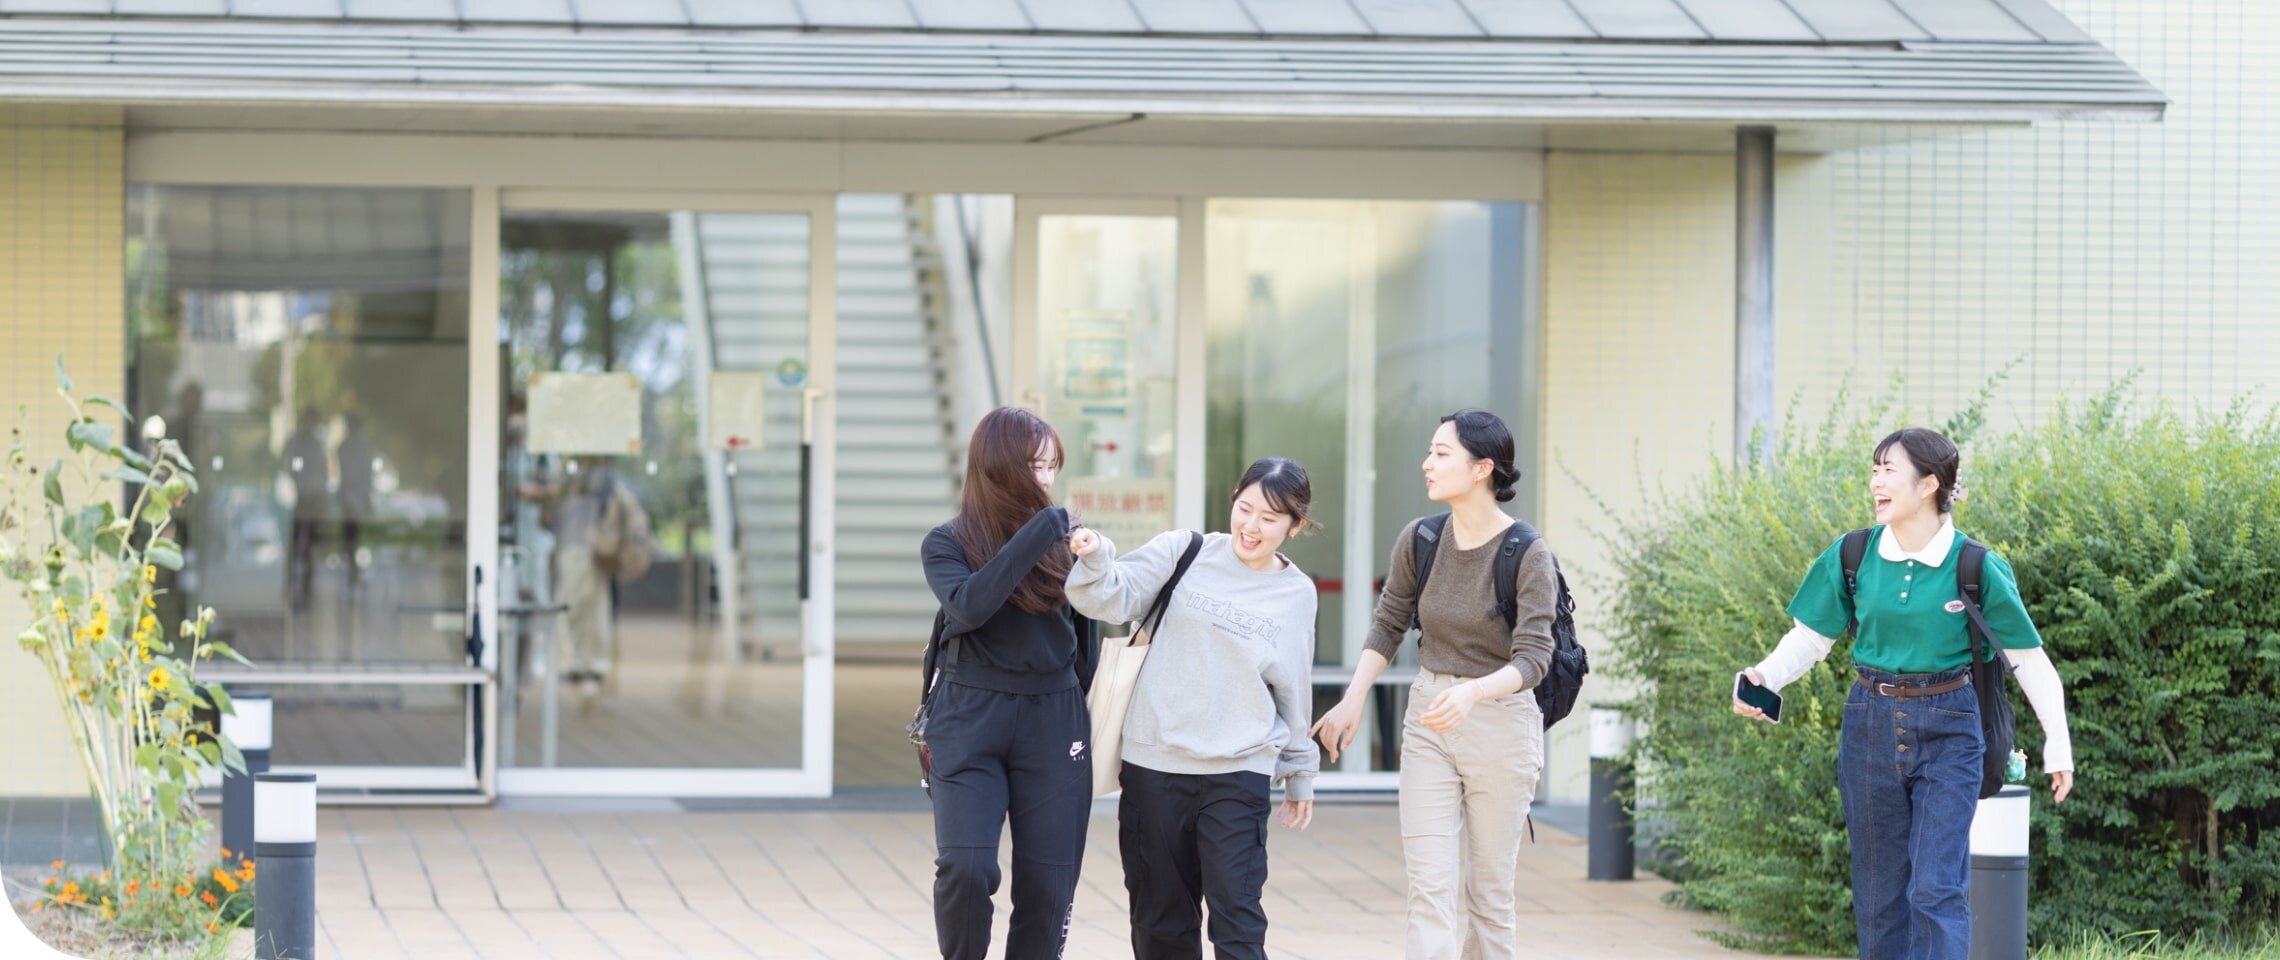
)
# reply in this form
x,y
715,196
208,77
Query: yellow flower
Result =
x,y
62,612
99,629
159,679
150,573
150,601
146,654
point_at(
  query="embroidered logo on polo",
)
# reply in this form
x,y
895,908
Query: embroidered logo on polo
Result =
x,y
1076,749
1955,606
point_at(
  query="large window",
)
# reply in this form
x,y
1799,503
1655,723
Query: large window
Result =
x,y
308,347
1340,333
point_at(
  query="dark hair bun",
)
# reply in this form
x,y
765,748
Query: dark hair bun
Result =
x,y
1503,480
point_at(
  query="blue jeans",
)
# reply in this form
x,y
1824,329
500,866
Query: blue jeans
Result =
x,y
1909,773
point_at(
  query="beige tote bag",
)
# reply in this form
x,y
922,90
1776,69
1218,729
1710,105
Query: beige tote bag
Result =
x,y
1118,672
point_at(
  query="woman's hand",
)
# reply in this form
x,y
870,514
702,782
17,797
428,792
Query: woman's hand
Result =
x,y
1296,814
1083,541
1337,727
2061,784
1745,710
1449,709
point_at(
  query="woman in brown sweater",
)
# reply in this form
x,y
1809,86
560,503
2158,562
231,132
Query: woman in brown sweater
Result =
x,y
1472,744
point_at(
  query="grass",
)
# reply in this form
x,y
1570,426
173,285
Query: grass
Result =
x,y
2151,944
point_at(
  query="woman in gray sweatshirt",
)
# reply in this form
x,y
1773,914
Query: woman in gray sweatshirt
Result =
x,y
1219,714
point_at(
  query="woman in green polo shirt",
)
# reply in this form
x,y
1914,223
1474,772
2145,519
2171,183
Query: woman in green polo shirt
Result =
x,y
1908,761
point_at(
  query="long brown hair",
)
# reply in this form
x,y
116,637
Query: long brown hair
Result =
x,y
1001,495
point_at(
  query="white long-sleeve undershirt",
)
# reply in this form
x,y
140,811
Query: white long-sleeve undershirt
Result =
x,y
1803,647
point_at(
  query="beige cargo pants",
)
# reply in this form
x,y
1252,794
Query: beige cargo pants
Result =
x,y
1464,800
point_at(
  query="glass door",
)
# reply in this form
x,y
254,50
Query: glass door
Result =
x,y
1340,332
665,445
1096,352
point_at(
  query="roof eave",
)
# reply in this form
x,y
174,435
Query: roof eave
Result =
x,y
1834,108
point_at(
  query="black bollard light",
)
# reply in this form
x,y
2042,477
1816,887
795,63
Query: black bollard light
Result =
x,y
285,862
1613,842
1999,854
250,729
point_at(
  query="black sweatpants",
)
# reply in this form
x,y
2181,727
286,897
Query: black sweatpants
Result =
x,y
1000,755
1190,839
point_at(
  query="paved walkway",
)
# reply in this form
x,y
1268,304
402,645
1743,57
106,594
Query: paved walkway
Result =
x,y
567,883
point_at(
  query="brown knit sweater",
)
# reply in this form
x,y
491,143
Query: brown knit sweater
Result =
x,y
1463,635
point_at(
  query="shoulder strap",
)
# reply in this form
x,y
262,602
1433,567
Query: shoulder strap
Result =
x,y
1518,538
1156,611
941,654
1854,549
1970,563
1424,542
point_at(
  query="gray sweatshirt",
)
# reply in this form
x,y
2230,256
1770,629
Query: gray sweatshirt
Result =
x,y
1228,686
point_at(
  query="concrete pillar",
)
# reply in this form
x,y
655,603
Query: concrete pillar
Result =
x,y
1753,288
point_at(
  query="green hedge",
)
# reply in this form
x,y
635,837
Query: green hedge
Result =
x,y
2148,550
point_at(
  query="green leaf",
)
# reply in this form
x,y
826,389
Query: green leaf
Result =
x,y
127,475
100,400
62,379
53,485
146,757
220,698
169,797
232,758
163,552
90,433
211,750
225,650
132,457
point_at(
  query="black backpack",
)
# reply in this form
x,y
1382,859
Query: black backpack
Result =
x,y
1563,683
1996,719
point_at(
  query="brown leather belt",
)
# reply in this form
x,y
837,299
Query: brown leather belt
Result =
x,y
1907,690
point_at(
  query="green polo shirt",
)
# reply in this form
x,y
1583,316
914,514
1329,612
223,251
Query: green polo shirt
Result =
x,y
1911,618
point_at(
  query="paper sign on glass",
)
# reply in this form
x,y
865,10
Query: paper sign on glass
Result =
x,y
585,413
738,411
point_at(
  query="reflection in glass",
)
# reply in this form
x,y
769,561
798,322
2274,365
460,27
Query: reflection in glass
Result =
x,y
696,660
308,347
1421,297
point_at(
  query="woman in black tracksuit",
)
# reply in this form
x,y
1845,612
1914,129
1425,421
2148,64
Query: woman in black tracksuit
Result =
x,y
1008,726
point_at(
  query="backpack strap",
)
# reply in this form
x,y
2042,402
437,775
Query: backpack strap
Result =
x,y
1855,548
1424,542
1970,564
1154,618
941,655
1518,538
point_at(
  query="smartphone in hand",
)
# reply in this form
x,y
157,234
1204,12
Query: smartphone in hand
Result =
x,y
1757,696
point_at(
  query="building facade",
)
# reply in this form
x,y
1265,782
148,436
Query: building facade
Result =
x,y
421,294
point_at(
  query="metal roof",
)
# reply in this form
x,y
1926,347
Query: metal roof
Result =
x,y
1833,21
1774,60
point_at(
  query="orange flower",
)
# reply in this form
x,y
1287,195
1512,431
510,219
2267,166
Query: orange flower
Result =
x,y
71,888
225,853
133,886
181,890
37,907
212,927
228,882
58,865
208,896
